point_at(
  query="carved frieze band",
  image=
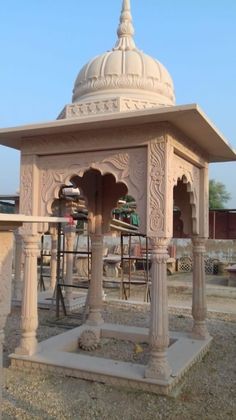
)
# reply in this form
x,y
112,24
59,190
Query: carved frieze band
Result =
x,y
103,139
87,108
111,105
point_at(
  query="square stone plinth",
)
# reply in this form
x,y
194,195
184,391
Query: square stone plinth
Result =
x,y
58,355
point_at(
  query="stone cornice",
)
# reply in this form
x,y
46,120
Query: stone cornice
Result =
x,y
94,140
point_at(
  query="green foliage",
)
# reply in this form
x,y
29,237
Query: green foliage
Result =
x,y
218,195
7,208
128,198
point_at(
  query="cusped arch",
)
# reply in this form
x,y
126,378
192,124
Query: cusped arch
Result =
x,y
190,177
67,180
127,168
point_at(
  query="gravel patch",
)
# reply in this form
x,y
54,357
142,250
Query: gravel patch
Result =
x,y
207,392
125,350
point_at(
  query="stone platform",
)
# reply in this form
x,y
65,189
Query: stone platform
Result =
x,y
58,355
47,301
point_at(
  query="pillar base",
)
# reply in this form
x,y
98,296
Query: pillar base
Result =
x,y
68,300
199,331
94,319
18,290
28,347
158,366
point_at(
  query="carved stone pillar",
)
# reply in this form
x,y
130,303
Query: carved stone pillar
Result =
x,y
158,366
70,231
29,310
6,247
2,325
199,307
95,288
18,281
53,264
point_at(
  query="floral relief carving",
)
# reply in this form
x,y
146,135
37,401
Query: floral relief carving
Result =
x,y
26,191
133,169
124,82
49,180
26,186
156,188
120,161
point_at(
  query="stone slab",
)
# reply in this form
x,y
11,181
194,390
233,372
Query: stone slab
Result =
x,y
46,300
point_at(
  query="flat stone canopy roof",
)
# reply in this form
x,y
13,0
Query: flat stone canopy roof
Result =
x,y
190,119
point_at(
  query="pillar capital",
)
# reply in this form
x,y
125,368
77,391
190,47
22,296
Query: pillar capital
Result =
x,y
31,241
31,245
53,230
18,235
199,244
159,243
159,249
97,239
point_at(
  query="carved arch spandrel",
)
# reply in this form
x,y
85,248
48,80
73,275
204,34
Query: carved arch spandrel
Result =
x,y
190,174
127,166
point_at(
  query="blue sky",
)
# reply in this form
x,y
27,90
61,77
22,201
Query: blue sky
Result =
x,y
44,43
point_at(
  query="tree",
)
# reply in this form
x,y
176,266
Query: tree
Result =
x,y
218,195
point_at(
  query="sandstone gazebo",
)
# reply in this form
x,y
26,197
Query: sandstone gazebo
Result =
x,y
123,134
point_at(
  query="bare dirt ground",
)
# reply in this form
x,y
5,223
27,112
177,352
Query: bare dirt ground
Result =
x,y
208,390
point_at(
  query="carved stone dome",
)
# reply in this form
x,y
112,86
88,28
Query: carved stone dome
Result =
x,y
124,71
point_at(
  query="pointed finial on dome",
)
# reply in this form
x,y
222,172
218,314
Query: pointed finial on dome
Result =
x,y
125,29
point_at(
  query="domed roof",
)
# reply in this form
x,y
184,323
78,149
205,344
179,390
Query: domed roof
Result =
x,y
124,71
